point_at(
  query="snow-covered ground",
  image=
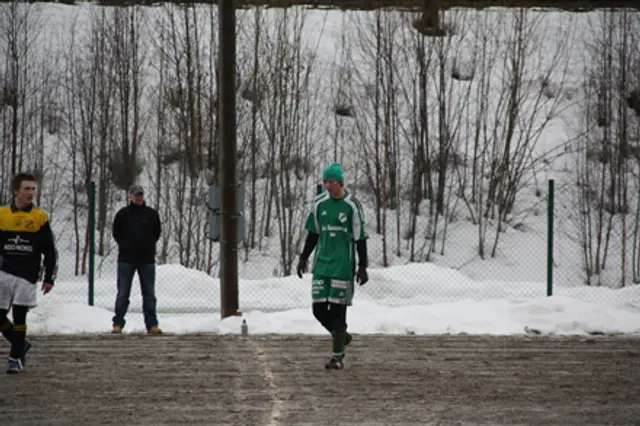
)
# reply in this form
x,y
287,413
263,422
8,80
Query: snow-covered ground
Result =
x,y
412,299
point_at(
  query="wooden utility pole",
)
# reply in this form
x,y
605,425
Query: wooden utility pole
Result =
x,y
228,160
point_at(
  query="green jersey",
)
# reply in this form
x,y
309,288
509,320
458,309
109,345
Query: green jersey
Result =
x,y
339,224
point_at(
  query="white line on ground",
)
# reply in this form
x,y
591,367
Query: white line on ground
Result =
x,y
276,402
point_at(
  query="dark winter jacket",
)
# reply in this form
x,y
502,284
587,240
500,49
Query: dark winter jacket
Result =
x,y
136,229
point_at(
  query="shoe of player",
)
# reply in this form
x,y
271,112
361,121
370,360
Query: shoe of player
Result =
x,y
14,366
116,329
334,364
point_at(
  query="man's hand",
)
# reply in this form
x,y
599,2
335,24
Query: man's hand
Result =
x,y
302,267
46,287
361,276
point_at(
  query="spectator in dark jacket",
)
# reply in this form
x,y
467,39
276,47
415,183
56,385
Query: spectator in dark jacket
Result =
x,y
136,229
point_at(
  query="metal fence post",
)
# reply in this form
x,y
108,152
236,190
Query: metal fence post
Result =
x,y
550,240
92,241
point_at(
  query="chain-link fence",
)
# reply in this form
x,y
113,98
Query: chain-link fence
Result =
x,y
443,137
450,259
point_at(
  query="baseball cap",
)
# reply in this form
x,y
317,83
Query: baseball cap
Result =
x,y
136,190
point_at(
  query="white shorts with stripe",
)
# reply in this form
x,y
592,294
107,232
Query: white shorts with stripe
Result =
x,y
17,291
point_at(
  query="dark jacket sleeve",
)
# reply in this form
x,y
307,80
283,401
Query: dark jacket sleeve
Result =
x,y
117,227
157,228
50,253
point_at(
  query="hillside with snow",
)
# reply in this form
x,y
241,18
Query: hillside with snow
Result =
x,y
448,142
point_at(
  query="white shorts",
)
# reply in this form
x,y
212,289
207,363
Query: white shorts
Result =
x,y
17,291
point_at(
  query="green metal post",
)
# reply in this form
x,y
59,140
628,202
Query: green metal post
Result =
x,y
92,241
550,240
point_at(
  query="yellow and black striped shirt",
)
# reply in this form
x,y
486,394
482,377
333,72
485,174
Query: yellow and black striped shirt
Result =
x,y
25,236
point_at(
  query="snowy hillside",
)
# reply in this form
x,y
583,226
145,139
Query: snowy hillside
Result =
x,y
472,249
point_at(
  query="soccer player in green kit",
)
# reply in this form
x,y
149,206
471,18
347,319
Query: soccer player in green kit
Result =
x,y
336,225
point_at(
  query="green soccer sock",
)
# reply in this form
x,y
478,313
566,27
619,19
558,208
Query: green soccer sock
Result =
x,y
338,338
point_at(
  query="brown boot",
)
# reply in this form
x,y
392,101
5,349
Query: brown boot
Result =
x,y
154,330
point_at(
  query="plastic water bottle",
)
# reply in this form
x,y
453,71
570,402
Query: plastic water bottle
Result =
x,y
244,328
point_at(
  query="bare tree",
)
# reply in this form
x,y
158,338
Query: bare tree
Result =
x,y
127,53
609,148
377,123
452,69
513,110
161,139
187,146
20,24
418,110
253,92
101,91
103,80
286,121
78,115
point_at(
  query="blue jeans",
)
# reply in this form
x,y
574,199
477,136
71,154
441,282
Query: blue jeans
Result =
x,y
147,275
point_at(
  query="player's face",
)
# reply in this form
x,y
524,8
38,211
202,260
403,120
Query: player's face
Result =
x,y
333,187
25,193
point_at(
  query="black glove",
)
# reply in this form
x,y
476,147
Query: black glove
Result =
x,y
361,276
302,267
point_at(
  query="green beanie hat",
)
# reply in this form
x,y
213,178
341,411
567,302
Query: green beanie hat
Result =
x,y
333,171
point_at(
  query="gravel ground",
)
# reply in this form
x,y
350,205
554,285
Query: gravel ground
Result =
x,y
281,380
